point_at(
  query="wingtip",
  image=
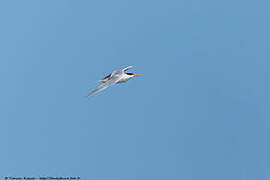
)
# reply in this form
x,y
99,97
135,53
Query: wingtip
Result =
x,y
88,96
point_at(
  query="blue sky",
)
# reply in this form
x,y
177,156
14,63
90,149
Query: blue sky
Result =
x,y
199,112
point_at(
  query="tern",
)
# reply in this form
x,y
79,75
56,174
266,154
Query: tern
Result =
x,y
116,77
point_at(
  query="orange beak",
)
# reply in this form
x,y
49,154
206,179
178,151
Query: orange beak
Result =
x,y
136,75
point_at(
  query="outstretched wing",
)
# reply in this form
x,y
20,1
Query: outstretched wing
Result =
x,y
107,84
126,68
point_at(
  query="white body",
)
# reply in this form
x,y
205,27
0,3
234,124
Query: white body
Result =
x,y
124,78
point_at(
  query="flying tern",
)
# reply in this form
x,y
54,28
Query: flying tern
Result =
x,y
116,77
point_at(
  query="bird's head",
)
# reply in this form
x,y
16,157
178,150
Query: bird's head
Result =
x,y
132,74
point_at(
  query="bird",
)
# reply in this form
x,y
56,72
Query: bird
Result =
x,y
116,77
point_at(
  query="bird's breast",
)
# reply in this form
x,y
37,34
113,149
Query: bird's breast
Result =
x,y
124,79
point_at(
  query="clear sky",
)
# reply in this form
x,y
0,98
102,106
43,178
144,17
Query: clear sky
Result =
x,y
199,112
